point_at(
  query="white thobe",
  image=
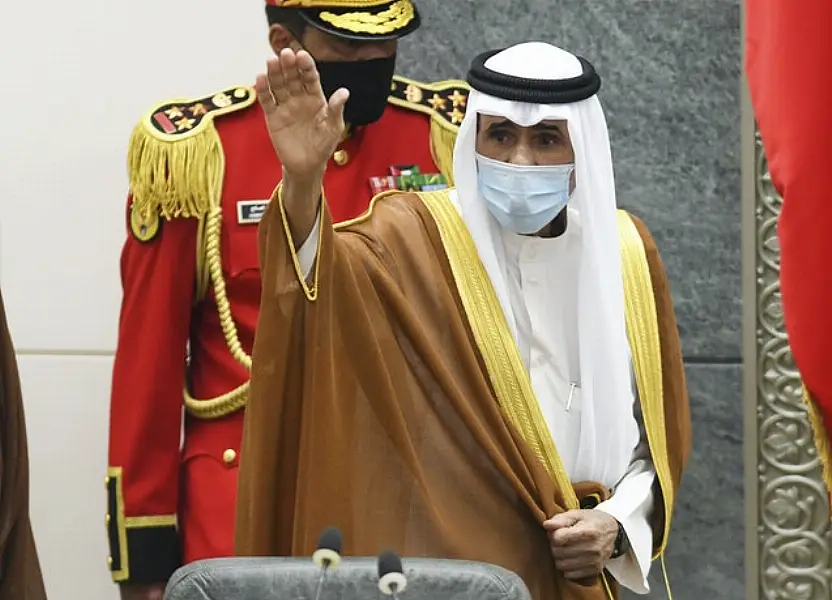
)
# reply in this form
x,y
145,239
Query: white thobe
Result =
x,y
542,279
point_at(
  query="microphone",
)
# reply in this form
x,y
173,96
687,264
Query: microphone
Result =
x,y
328,555
391,579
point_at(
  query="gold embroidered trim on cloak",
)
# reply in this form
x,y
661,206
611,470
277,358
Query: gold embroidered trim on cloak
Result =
x,y
310,290
495,342
367,213
824,448
393,18
643,333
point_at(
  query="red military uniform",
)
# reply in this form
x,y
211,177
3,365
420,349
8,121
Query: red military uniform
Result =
x,y
201,172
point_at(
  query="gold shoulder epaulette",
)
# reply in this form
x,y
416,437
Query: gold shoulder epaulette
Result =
x,y
445,100
175,158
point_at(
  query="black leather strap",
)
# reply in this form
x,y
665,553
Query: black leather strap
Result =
x,y
622,543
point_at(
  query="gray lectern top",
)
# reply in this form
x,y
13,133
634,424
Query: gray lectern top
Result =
x,y
353,579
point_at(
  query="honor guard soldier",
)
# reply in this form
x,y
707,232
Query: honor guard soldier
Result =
x,y
201,171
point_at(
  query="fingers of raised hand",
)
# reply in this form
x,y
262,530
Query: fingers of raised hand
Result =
x,y
264,93
276,82
336,106
308,73
287,75
292,77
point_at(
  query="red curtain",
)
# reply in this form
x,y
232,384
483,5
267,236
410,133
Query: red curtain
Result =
x,y
789,67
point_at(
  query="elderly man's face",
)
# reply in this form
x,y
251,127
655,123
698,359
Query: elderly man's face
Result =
x,y
546,143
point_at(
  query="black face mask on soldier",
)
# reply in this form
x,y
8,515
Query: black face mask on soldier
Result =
x,y
368,82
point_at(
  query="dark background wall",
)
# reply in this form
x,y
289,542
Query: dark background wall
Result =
x,y
671,77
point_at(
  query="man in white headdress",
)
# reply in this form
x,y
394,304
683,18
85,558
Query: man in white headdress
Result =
x,y
491,373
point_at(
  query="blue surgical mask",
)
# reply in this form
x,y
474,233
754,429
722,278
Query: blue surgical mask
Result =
x,y
523,198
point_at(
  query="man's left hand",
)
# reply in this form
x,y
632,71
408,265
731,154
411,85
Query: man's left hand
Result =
x,y
582,542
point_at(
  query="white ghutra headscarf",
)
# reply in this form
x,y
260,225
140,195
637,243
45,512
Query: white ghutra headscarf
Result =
x,y
609,431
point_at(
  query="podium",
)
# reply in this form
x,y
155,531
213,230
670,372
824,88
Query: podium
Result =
x,y
353,579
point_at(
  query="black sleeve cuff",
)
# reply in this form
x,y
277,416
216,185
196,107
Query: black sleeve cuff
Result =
x,y
153,554
142,549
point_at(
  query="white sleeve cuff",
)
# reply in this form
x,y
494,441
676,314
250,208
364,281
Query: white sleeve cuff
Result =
x,y
308,251
631,505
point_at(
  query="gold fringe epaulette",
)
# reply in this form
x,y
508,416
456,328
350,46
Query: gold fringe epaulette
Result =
x,y
175,159
445,102
176,166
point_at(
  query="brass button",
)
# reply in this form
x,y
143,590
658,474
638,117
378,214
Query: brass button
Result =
x,y
341,157
107,520
110,561
107,482
229,456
